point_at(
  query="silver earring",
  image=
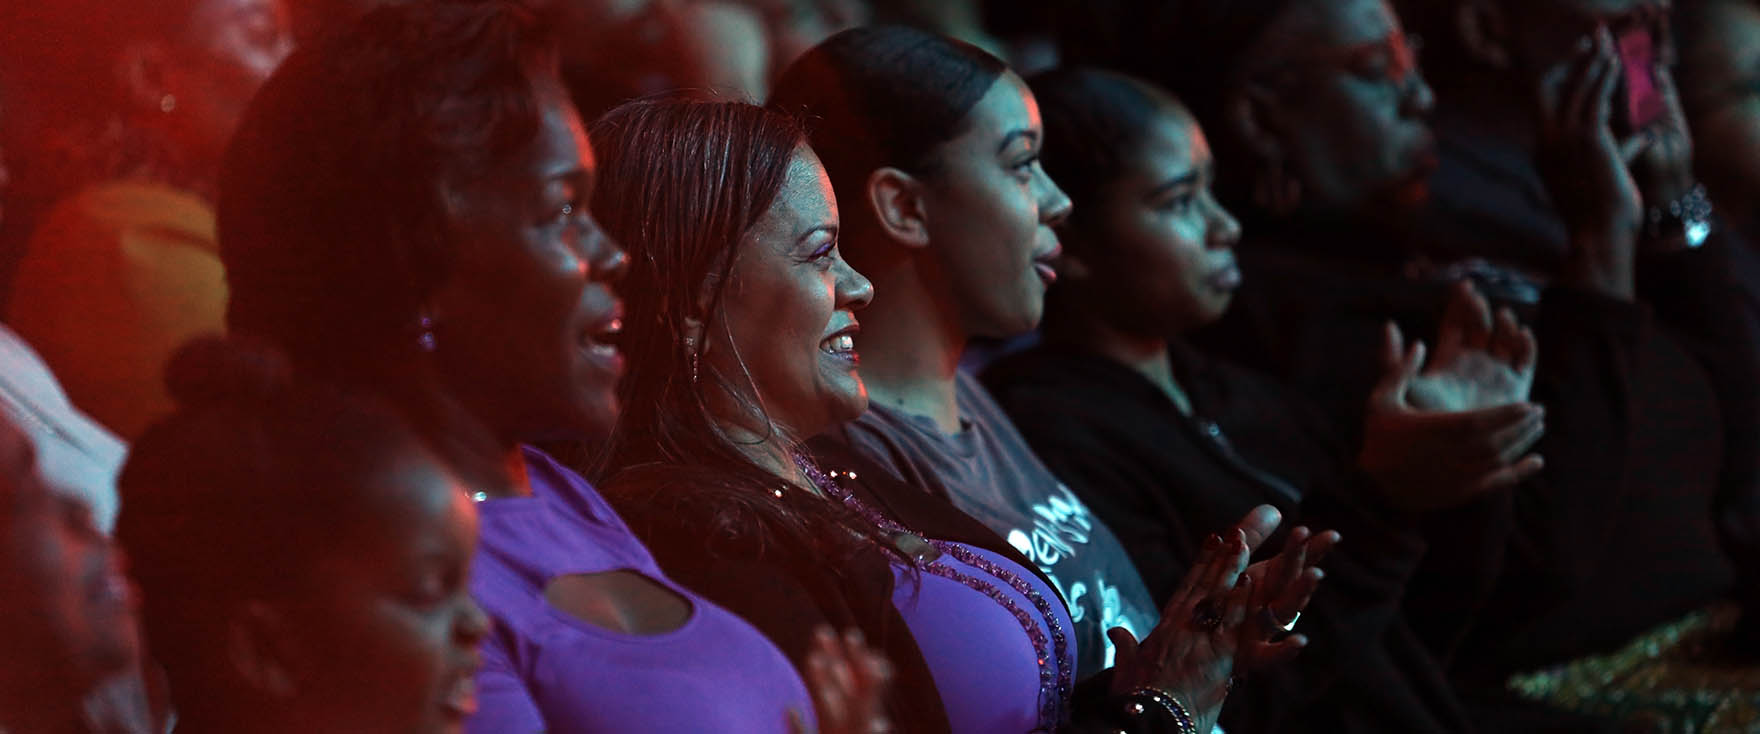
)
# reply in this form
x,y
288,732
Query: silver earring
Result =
x,y
690,347
425,339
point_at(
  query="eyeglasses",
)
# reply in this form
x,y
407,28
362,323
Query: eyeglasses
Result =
x,y
1392,60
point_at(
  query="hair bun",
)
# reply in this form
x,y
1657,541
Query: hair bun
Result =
x,y
213,369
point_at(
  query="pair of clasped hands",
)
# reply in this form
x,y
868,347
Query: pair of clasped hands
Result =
x,y
1441,429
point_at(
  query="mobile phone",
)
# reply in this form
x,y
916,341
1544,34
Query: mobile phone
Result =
x,y
1639,102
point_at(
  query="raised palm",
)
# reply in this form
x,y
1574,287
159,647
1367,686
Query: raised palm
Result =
x,y
1481,361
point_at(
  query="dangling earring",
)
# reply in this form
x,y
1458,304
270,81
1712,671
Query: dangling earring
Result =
x,y
167,103
425,337
690,347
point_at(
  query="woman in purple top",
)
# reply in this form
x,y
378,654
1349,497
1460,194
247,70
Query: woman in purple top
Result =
x,y
403,211
546,667
740,324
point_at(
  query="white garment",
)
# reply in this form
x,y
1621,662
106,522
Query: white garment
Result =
x,y
75,455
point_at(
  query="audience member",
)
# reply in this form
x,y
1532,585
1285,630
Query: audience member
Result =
x,y
734,45
66,607
1160,439
434,247
742,340
1719,46
615,51
797,25
1291,291
302,558
128,107
952,222
1325,268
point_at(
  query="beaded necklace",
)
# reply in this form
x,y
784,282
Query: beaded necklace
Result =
x,y
1055,674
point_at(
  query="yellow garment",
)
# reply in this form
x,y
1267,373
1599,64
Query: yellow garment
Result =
x,y
116,278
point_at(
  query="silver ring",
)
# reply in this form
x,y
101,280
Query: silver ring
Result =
x,y
1206,616
1290,626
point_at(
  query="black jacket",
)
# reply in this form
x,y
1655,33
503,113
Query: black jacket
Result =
x,y
1162,480
1649,489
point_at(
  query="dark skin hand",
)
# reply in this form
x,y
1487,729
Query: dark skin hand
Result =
x,y
1438,436
1481,360
1289,581
848,682
1195,662
1602,184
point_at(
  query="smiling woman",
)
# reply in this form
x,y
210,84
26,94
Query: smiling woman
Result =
x,y
432,244
741,316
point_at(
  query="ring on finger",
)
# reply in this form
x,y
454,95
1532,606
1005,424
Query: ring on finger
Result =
x,y
1290,626
1206,616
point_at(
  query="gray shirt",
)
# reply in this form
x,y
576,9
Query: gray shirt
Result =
x,y
987,470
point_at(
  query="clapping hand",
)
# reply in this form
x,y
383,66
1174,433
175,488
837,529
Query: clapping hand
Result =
x,y
1481,361
1225,615
1190,652
848,682
1429,460
1284,584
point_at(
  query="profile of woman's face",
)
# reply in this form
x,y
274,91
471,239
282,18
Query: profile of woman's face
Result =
x,y
788,316
390,643
1354,102
1162,250
525,326
990,212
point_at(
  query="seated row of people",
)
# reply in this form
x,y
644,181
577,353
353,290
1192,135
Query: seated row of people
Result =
x,y
425,253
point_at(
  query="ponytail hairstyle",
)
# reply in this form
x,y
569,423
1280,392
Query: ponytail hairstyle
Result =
x,y
1100,120
880,96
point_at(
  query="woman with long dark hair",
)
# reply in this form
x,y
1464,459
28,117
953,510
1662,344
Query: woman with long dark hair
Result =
x,y
404,211
740,330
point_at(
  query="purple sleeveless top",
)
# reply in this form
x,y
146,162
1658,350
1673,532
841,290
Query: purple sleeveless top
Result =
x,y
546,671
984,665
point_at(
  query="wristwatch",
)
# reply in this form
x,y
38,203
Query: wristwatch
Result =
x,y
1684,223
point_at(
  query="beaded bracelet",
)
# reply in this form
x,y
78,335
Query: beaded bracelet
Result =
x,y
1134,707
